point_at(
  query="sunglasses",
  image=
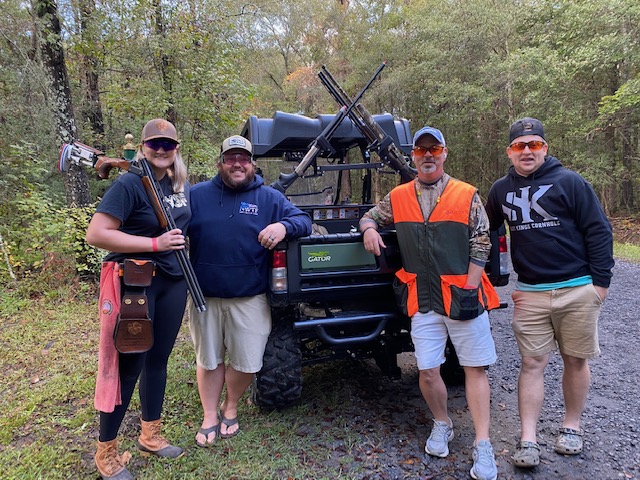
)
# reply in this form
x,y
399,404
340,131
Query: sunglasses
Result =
x,y
231,159
534,146
158,143
433,149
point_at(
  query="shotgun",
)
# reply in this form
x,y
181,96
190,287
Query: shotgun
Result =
x,y
378,139
322,142
84,155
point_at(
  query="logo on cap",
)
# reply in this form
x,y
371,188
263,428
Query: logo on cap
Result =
x,y
162,125
237,142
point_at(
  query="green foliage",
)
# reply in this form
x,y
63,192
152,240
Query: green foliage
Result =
x,y
575,65
46,244
88,259
24,169
626,97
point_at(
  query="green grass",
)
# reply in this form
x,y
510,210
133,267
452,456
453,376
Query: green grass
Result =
x,y
627,251
49,427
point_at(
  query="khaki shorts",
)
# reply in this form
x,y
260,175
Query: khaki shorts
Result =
x,y
238,326
567,317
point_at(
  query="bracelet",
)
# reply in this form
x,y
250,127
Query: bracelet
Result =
x,y
154,244
469,287
370,226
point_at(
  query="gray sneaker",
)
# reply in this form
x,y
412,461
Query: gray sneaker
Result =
x,y
438,442
484,462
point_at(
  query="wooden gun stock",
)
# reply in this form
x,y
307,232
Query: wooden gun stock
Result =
x,y
105,164
155,202
154,192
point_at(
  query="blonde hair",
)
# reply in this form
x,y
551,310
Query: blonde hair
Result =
x,y
177,172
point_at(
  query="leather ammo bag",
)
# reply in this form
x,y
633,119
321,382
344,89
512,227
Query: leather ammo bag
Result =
x,y
134,329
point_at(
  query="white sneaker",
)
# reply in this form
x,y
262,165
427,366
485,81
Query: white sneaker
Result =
x,y
438,442
484,462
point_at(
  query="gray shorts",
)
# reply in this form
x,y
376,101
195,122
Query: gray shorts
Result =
x,y
238,326
472,340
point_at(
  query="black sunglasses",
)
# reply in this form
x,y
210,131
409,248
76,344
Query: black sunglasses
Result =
x,y
158,143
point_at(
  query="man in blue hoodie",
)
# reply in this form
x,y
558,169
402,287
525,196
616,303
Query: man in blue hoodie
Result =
x,y
562,251
236,221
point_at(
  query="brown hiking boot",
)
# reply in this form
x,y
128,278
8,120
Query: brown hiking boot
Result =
x,y
152,442
110,464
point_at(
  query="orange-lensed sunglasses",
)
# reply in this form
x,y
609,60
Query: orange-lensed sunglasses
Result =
x,y
533,145
433,149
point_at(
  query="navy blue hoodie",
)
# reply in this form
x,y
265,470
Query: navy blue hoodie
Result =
x,y
558,228
224,250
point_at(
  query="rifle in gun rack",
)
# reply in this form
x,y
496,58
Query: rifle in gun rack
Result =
x,y
322,142
83,155
378,139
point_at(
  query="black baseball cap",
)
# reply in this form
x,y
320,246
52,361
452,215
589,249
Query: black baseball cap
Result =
x,y
525,126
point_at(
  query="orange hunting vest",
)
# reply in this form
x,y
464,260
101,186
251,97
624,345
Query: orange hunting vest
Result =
x,y
435,252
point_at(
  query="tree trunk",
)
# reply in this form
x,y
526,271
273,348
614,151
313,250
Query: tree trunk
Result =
x,y
627,200
92,110
165,64
48,25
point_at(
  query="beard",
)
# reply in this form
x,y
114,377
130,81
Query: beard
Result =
x,y
230,182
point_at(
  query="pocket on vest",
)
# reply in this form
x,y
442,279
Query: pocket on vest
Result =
x,y
459,303
405,290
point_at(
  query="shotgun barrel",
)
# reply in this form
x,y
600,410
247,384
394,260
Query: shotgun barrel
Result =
x,y
166,220
378,139
322,142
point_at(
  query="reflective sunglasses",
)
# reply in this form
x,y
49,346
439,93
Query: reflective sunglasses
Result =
x,y
158,143
433,149
534,146
231,159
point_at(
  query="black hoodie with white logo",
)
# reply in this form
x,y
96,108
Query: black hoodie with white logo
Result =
x,y
557,226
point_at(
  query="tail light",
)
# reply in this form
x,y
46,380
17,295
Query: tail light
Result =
x,y
279,272
504,255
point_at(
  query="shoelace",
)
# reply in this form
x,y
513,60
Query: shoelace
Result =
x,y
484,454
440,432
113,460
156,436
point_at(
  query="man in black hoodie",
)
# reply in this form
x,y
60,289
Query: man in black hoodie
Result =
x,y
562,251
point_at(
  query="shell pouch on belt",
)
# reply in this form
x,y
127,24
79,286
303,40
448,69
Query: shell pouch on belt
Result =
x,y
134,329
460,303
405,289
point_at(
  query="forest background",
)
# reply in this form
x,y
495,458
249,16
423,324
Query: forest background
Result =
x,y
94,71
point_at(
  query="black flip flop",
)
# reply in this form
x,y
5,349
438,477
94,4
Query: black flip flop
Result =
x,y
229,422
206,432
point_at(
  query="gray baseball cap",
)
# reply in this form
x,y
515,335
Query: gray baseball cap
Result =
x,y
236,141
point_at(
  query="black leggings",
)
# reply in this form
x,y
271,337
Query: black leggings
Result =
x,y
167,298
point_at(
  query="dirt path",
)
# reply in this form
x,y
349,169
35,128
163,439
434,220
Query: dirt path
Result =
x,y
390,421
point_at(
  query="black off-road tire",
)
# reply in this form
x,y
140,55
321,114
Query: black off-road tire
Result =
x,y
279,383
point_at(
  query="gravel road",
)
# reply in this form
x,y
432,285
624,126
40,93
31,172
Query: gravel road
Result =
x,y
389,420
